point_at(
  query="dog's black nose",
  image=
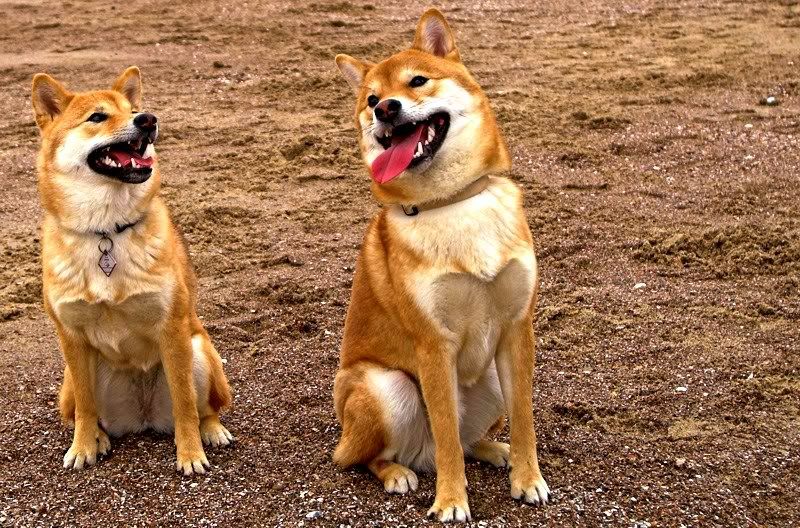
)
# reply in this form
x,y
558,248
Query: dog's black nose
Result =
x,y
387,110
146,122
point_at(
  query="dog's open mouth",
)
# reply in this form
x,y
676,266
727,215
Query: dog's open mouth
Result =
x,y
409,145
126,161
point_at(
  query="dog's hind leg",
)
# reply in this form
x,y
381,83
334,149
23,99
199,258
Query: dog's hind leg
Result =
x,y
482,414
396,478
383,425
363,432
216,394
494,453
212,394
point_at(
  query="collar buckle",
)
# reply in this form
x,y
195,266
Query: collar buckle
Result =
x,y
412,210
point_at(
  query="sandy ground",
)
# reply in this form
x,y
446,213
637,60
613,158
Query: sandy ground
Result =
x,y
645,156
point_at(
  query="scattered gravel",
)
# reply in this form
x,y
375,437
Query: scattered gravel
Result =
x,y
262,172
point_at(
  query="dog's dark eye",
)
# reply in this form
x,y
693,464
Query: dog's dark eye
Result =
x,y
418,81
372,100
97,117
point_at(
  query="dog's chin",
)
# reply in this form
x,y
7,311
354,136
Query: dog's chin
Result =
x,y
135,176
423,167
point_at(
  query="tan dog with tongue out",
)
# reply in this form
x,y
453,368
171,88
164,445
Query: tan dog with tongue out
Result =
x,y
438,343
117,281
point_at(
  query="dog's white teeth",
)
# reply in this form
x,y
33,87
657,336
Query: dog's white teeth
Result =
x,y
431,134
134,164
419,150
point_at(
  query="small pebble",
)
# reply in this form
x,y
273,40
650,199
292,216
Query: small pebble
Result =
x,y
680,462
316,514
639,285
681,389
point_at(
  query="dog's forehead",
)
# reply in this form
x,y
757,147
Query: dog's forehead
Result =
x,y
401,67
403,64
108,100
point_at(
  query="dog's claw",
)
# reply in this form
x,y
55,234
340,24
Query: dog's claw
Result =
x,y
215,435
82,454
401,481
532,491
189,465
451,511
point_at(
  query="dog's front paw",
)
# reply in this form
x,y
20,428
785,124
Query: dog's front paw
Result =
x,y
529,486
86,446
192,461
451,509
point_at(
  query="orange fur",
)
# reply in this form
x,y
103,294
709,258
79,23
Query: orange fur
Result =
x,y
140,318
404,337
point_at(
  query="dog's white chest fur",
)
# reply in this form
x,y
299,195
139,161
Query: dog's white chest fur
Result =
x,y
482,275
121,314
473,312
125,333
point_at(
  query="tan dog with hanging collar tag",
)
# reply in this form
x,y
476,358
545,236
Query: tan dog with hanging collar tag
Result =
x,y
438,341
117,280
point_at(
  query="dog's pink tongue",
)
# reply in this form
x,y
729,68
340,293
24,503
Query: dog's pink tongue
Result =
x,y
396,158
124,158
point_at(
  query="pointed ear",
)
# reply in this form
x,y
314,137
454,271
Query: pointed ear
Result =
x,y
434,36
353,70
129,84
49,98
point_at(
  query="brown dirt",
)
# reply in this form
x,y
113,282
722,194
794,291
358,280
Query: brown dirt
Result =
x,y
644,154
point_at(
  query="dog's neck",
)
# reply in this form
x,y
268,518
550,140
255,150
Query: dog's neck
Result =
x,y
473,189
95,205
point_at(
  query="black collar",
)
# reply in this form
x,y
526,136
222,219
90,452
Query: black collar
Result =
x,y
473,189
120,228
